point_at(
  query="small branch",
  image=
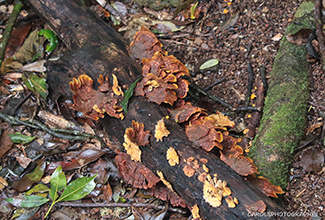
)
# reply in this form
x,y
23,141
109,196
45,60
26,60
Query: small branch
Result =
x,y
216,82
212,97
317,105
250,83
40,126
56,134
319,27
247,108
263,76
227,105
112,205
255,118
10,25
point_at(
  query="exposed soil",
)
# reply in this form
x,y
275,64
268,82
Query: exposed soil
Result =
x,y
254,39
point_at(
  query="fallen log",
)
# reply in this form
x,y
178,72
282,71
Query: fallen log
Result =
x,y
285,112
93,49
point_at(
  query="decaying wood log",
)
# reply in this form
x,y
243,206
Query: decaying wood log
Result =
x,y
93,49
285,112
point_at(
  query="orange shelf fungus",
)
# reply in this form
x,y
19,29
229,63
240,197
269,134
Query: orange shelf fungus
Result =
x,y
258,206
188,170
94,103
161,130
214,190
172,156
231,202
135,173
195,212
134,137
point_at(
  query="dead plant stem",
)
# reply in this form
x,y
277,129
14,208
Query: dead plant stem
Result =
x,y
10,25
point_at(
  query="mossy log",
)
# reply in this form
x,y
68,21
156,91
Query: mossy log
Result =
x,y
284,114
93,49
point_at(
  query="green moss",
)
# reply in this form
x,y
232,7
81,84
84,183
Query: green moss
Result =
x,y
304,9
302,18
284,115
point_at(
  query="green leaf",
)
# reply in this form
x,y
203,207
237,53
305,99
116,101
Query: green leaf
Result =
x,y
19,138
24,213
193,10
49,34
78,189
26,182
27,201
58,182
127,95
209,64
35,84
39,188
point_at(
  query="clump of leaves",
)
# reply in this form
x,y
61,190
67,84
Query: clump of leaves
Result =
x,y
75,190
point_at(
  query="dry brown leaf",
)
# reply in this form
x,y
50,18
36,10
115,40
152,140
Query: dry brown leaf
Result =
x,y
314,126
299,38
3,183
5,141
312,159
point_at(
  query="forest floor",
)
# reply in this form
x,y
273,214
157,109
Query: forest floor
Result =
x,y
235,33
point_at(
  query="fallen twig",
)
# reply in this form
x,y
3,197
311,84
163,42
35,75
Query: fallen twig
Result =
x,y
250,83
255,118
10,25
263,76
40,126
216,82
317,105
212,97
227,105
116,204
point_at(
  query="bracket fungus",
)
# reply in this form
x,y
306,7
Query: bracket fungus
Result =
x,y
134,137
161,130
214,190
94,103
172,156
135,173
